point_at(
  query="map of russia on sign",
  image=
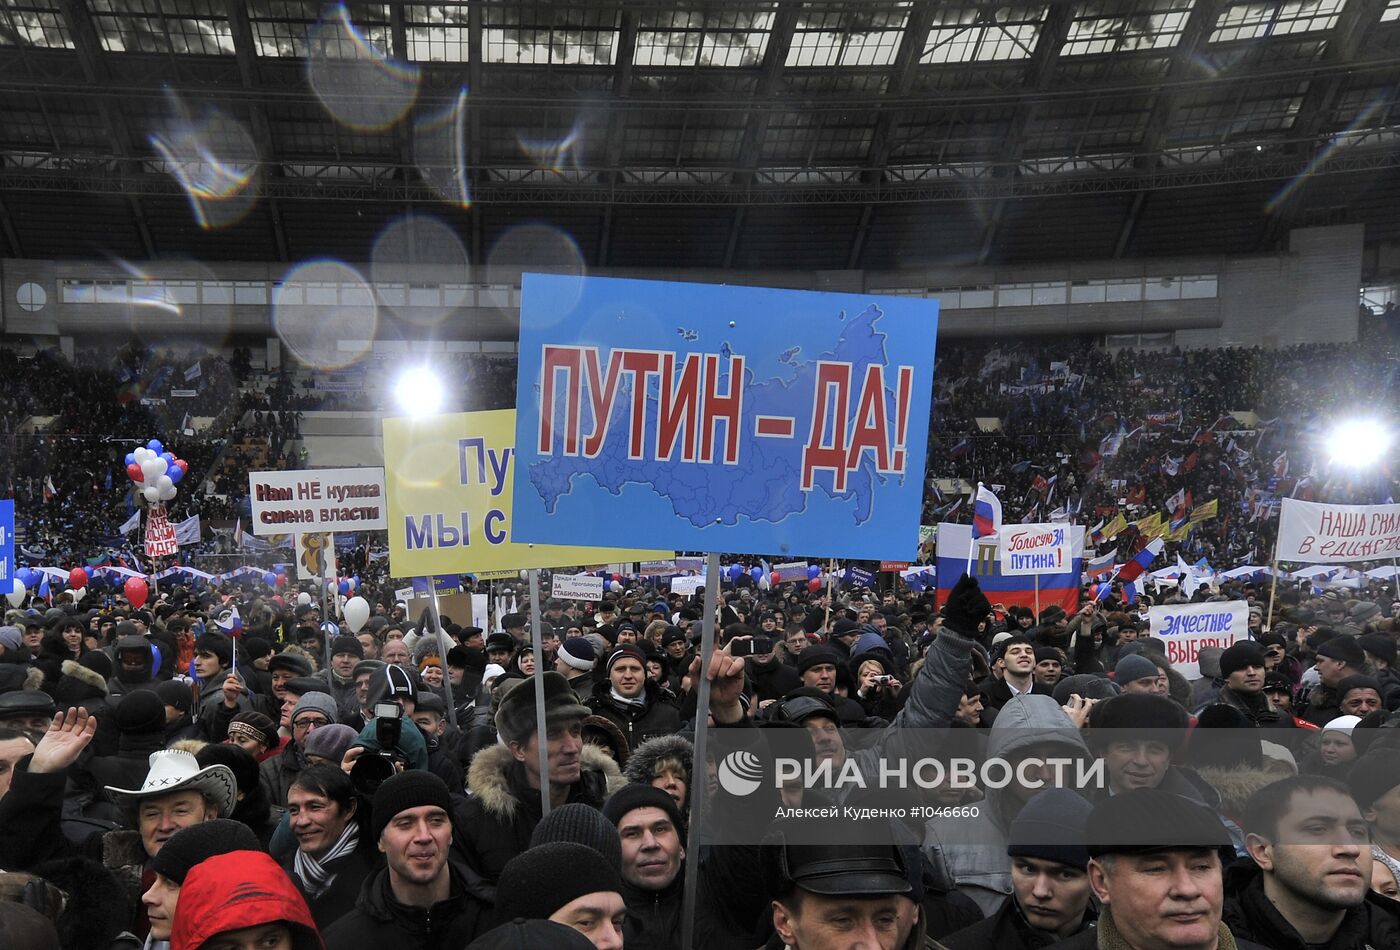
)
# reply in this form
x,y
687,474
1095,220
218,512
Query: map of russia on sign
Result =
x,y
711,418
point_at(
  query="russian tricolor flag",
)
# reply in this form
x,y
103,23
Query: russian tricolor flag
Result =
x,y
954,540
1099,566
986,514
1141,561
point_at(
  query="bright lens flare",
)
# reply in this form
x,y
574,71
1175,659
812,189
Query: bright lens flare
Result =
x,y
419,392
1359,443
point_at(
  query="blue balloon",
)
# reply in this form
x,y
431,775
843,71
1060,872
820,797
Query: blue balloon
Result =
x,y
130,459
155,657
344,587
270,579
176,473
28,577
155,446
813,572
756,573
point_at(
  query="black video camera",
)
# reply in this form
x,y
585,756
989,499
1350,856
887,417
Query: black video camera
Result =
x,y
371,769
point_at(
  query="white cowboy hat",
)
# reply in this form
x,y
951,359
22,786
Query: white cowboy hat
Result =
x,y
174,770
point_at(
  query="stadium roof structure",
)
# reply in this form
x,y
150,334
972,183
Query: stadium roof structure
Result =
x,y
756,134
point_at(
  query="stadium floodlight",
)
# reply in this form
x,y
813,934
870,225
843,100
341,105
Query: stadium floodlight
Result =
x,y
419,391
1358,443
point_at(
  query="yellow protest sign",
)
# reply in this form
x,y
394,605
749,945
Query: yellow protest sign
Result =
x,y
449,483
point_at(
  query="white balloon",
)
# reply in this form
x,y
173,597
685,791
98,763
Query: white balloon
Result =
x,y
17,592
356,613
303,599
164,482
152,494
166,493
152,469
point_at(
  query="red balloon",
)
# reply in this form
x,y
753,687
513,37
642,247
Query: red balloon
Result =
x,y
281,580
182,465
133,472
776,579
617,577
136,592
814,585
77,578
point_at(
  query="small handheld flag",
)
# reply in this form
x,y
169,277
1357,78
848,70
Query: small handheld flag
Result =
x,y
986,514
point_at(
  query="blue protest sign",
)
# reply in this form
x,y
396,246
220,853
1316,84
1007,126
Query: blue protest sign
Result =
x,y
7,544
858,577
709,418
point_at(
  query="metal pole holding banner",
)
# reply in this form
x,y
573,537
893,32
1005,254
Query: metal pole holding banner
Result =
x,y
1037,597
1273,592
541,725
690,899
442,650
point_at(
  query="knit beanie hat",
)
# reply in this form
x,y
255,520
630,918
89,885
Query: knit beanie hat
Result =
x,y
1343,648
528,934
11,637
330,742
189,846
635,795
255,648
537,882
412,789
581,824
254,725
817,656
1379,645
350,645
1374,774
627,651
1342,724
1047,653
323,703
175,693
140,712
1240,655
1133,667
578,653
1051,827
1357,681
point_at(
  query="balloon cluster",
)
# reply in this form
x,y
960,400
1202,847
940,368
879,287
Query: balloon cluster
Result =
x,y
155,471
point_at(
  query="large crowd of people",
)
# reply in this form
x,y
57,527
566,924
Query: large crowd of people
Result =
x,y
224,767
215,768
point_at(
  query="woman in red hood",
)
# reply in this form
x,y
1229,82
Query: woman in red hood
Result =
x,y
242,901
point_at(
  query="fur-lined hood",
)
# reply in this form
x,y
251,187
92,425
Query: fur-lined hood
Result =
x,y
84,675
489,778
641,764
1236,786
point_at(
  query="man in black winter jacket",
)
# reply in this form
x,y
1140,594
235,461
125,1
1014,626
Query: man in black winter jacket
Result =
x,y
653,863
418,901
1050,900
631,700
1306,884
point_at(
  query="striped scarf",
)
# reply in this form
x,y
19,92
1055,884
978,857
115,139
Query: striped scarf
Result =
x,y
315,879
